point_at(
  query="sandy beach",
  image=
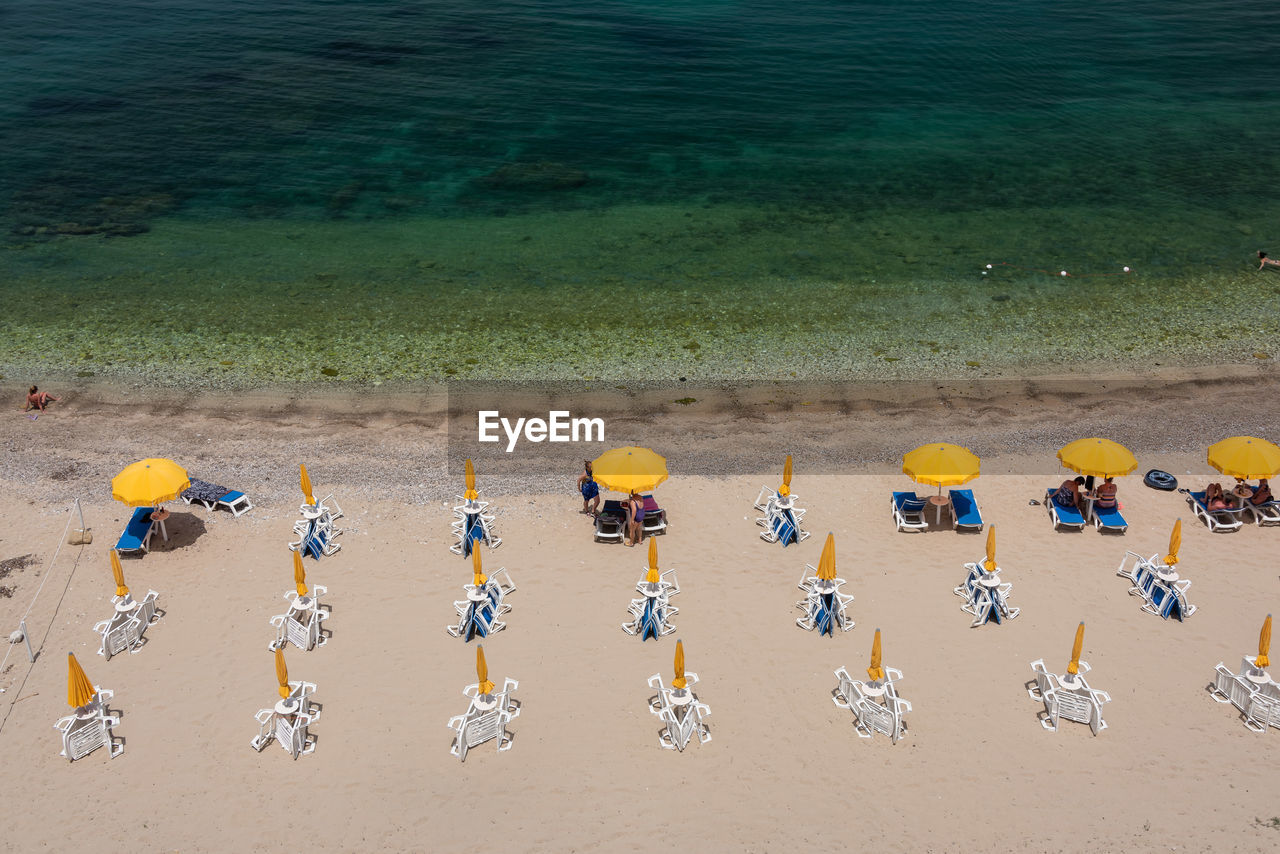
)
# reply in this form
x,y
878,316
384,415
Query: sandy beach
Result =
x,y
785,769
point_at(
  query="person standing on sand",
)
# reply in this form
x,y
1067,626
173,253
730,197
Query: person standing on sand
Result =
x,y
1263,261
37,399
590,490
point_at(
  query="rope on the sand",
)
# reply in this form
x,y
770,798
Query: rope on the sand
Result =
x,y
48,571
1125,272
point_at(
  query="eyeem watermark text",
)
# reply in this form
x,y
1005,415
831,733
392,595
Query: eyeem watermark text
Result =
x,y
558,426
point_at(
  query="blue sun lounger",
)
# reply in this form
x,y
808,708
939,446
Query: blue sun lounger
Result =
x,y
1062,517
908,512
1109,519
965,509
137,534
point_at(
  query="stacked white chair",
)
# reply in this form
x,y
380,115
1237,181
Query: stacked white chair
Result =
x,y
289,720
479,613
1252,690
985,596
124,630
473,522
824,606
90,726
1069,696
875,703
682,714
782,518
301,625
651,613
487,714
1163,591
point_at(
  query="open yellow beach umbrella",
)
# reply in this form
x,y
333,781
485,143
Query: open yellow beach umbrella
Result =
x,y
875,671
785,489
79,688
827,562
1264,645
1245,457
117,572
478,579
679,683
304,480
299,574
629,469
1074,667
653,576
940,464
282,674
1097,457
1175,543
482,672
470,474
149,482
990,563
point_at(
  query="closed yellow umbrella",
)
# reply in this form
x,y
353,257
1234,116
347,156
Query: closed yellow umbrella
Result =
x,y
482,672
149,482
1175,542
990,563
875,671
117,572
785,489
470,469
653,576
941,464
282,674
304,480
299,574
1264,645
1097,457
478,577
679,683
827,562
1074,667
629,469
1245,457
79,688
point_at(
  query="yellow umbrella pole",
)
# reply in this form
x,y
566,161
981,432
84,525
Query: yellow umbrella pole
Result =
x,y
305,480
1264,645
1175,543
1074,667
653,576
117,572
990,563
785,489
79,688
875,671
282,674
470,494
482,672
299,574
478,577
679,683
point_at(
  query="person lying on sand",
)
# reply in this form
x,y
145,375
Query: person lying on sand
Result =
x,y
1263,261
37,399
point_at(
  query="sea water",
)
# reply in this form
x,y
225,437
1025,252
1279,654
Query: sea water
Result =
x,y
232,193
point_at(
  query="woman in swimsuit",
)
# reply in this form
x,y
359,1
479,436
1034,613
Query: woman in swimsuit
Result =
x,y
1068,495
1215,498
1106,494
1263,261
1262,494
635,519
37,399
590,490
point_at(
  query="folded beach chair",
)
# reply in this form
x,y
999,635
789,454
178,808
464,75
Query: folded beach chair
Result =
x,y
655,518
1062,517
1108,519
125,630
1267,513
84,733
875,709
1073,700
783,526
1218,521
908,511
824,606
478,614
474,526
964,510
289,729
682,714
987,604
1163,598
1258,698
137,534
485,719
211,495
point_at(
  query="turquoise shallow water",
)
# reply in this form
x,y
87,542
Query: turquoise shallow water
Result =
x,y
406,191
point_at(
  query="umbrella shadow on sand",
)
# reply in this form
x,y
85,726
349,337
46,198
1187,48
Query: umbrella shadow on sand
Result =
x,y
184,529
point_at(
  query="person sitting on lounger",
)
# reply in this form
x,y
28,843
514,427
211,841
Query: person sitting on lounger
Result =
x,y
37,399
1263,261
590,490
1068,495
1262,494
635,518
1106,494
1215,498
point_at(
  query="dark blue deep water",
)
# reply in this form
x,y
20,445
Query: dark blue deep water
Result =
x,y
381,155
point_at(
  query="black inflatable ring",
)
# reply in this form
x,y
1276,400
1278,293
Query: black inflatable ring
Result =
x,y
1157,479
